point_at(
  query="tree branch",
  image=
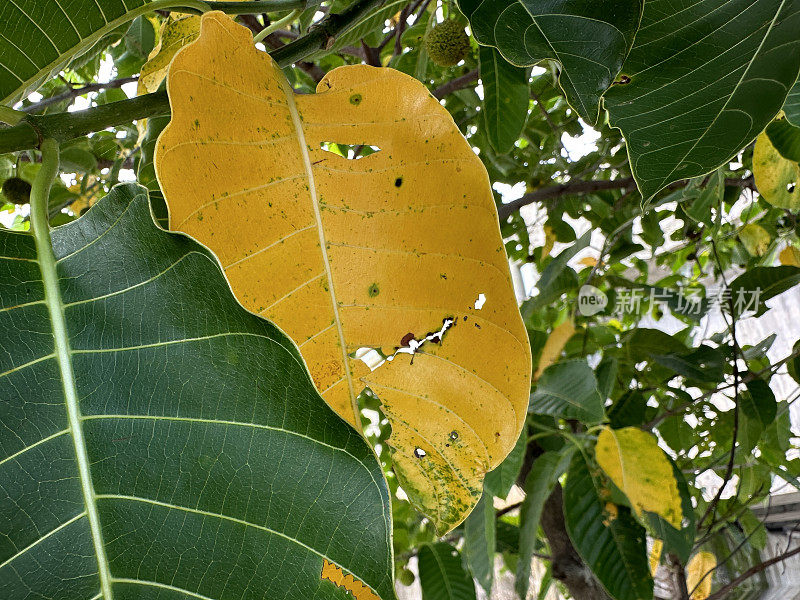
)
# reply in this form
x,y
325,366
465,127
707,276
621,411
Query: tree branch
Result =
x,y
79,91
722,592
585,187
459,83
66,126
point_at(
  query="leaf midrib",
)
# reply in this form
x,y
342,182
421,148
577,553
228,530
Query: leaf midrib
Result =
x,y
63,356
312,191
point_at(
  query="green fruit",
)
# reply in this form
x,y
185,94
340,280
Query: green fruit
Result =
x,y
17,191
406,577
447,43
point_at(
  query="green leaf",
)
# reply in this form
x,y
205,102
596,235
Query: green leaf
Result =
x,y
613,545
506,97
479,541
539,484
628,411
758,402
441,574
785,137
607,376
172,444
39,38
501,479
589,39
706,77
703,364
557,277
708,197
792,105
568,390
766,282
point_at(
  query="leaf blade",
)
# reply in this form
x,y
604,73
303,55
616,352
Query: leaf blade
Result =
x,y
590,40
740,75
194,391
349,230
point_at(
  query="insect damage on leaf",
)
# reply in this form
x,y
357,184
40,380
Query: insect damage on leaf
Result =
x,y
358,590
349,256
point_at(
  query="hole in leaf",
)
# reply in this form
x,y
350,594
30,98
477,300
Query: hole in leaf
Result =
x,y
791,187
371,357
349,151
420,453
398,182
480,301
454,435
410,345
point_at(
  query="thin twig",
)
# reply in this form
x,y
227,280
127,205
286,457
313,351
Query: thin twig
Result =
x,y
78,91
721,593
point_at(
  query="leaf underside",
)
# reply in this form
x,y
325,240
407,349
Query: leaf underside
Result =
x,y
39,37
350,254
216,469
589,39
705,79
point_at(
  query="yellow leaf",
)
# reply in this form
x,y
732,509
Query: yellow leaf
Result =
x,y
589,261
335,575
655,555
555,343
700,564
790,256
176,32
777,179
350,254
755,239
637,466
549,241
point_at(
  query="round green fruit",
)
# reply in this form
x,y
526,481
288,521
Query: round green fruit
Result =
x,y
447,43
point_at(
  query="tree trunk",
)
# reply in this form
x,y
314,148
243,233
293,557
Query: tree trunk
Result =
x,y
567,566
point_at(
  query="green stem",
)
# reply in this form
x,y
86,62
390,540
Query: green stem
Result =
x,y
275,26
29,132
40,194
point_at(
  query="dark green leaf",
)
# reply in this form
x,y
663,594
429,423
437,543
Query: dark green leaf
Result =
x,y
766,282
505,99
171,443
441,574
38,39
628,411
706,77
786,139
539,484
612,545
589,39
703,364
607,376
758,402
707,198
500,480
792,106
479,541
568,390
